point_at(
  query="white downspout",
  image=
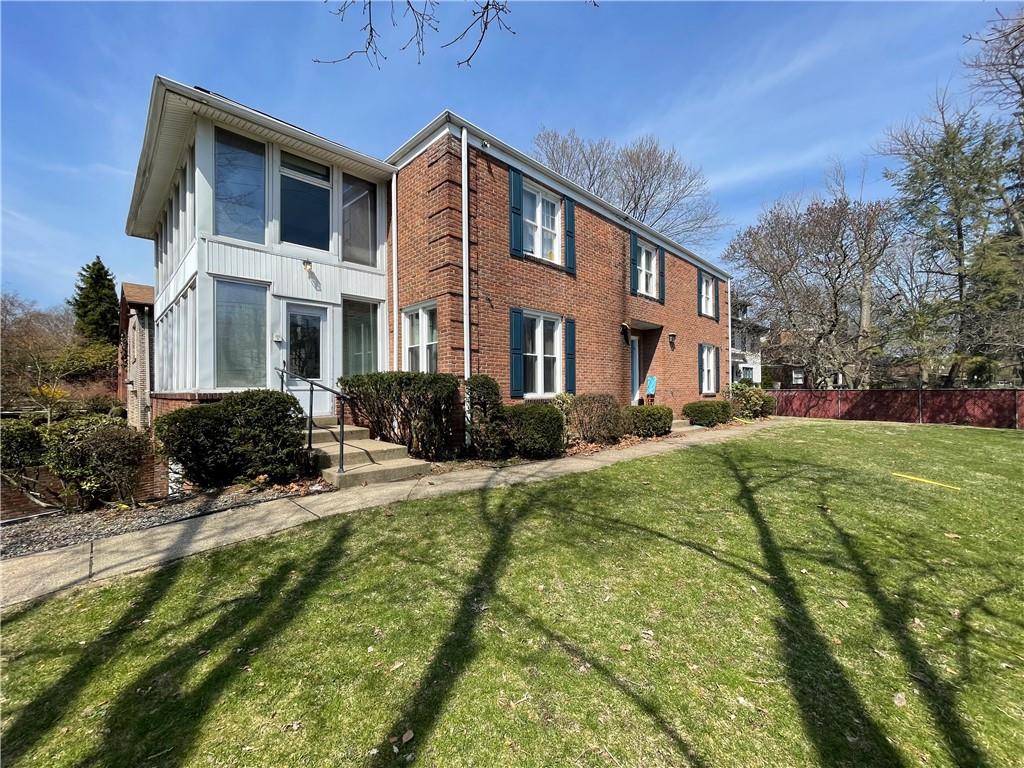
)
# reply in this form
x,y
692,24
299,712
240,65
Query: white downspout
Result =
x,y
395,360
465,268
728,285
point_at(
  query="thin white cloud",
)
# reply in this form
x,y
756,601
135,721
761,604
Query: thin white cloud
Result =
x,y
90,169
762,168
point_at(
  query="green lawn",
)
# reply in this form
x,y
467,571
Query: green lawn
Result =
x,y
779,600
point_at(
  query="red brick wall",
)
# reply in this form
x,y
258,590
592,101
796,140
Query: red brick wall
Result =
x,y
165,402
597,297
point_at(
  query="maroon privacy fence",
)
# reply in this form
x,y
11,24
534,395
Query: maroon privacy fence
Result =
x,y
978,407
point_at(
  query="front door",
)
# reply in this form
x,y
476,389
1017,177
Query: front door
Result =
x,y
306,356
634,368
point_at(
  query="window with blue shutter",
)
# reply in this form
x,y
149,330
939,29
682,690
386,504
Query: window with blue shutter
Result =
x,y
718,368
661,275
515,352
515,212
716,299
634,277
570,235
700,369
570,355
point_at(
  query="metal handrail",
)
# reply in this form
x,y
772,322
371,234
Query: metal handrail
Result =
x,y
342,397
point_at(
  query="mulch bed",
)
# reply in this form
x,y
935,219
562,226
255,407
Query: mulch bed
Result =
x,y
62,529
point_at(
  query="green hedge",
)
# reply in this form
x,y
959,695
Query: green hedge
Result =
x,y
96,458
536,430
488,429
595,418
647,420
750,402
258,432
418,410
21,447
708,413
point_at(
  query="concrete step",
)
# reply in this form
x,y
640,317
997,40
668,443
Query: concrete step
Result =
x,y
683,426
359,452
323,436
325,421
385,472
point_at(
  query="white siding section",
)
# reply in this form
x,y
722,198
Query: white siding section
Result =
x,y
175,354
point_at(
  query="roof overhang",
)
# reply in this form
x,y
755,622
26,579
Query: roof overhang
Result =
x,y
173,109
491,144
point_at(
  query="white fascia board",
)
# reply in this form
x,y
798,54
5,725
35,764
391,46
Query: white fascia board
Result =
x,y
515,158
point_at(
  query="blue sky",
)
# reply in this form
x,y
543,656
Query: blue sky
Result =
x,y
763,96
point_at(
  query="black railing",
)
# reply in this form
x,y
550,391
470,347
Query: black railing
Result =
x,y
310,423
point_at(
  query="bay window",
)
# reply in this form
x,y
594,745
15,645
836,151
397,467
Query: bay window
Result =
x,y
240,196
359,221
305,202
540,225
359,337
541,354
420,336
647,270
240,334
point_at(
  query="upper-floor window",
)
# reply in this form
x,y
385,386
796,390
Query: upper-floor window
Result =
x,y
798,376
707,294
421,339
240,187
540,224
647,270
359,222
541,354
305,202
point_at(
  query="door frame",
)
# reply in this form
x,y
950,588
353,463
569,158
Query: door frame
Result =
x,y
634,368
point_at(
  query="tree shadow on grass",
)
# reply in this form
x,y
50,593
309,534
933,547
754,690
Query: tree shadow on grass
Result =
x,y
834,716
459,646
895,615
157,716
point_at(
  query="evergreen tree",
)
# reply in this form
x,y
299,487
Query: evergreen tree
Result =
x,y
95,305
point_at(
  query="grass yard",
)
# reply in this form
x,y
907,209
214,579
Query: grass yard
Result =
x,y
779,600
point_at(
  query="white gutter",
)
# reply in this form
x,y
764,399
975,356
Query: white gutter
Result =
x,y
728,285
396,363
465,266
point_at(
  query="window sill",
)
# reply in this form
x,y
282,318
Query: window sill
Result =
x,y
649,297
556,265
540,396
707,317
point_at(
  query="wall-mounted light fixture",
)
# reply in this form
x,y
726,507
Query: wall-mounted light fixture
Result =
x,y
624,330
672,341
307,265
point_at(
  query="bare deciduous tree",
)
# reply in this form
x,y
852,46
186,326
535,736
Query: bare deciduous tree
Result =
x,y
649,181
998,67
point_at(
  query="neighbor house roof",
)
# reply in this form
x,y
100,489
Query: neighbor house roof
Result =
x,y
169,126
136,293
493,145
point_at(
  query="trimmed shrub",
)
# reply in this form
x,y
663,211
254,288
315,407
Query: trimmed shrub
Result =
x,y
596,418
196,439
647,420
750,402
96,458
104,404
21,447
417,410
488,430
536,430
264,431
708,413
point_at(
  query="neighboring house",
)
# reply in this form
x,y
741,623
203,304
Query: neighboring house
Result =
x,y
134,362
276,248
747,337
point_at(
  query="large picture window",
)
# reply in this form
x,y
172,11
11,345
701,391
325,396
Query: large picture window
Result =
x,y
540,225
359,337
421,339
240,187
305,336
305,202
541,354
240,334
359,222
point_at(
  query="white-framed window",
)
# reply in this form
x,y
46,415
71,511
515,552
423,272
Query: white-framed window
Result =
x,y
306,340
647,269
542,354
240,334
708,372
798,376
420,334
747,372
305,202
359,336
358,221
240,197
541,224
707,295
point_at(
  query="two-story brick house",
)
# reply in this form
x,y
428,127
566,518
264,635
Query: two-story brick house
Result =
x,y
276,248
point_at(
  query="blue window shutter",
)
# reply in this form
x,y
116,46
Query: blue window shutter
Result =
x,y
515,212
570,356
700,369
661,275
515,352
570,235
718,369
716,299
700,293
634,277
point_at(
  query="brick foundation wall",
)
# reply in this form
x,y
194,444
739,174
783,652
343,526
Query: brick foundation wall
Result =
x,y
597,297
165,402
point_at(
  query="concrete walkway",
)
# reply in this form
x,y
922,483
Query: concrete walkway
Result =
x,y
31,576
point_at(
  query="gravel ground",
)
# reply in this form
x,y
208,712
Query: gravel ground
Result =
x,y
63,529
